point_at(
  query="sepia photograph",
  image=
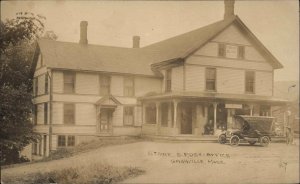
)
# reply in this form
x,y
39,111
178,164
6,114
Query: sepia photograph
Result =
x,y
153,91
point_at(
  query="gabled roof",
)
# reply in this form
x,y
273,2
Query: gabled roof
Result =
x,y
64,55
108,100
181,46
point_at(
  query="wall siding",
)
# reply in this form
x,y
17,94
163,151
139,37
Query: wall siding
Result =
x,y
57,114
40,114
230,81
144,85
41,85
134,131
195,76
116,85
117,119
63,130
87,83
85,114
229,63
232,35
76,98
177,79
263,83
58,80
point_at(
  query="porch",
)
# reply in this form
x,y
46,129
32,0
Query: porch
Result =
x,y
189,117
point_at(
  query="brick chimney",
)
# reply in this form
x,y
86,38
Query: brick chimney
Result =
x,y
83,32
135,42
229,8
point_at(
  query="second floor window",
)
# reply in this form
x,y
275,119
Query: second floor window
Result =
x,y
45,113
128,86
168,80
128,115
46,84
35,86
69,82
35,114
210,79
241,52
104,85
69,114
250,81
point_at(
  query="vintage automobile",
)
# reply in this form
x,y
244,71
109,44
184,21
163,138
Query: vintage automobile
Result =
x,y
251,129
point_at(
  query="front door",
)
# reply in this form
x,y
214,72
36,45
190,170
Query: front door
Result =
x,y
105,120
186,120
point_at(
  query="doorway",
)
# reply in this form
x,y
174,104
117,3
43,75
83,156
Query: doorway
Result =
x,y
186,120
105,120
45,145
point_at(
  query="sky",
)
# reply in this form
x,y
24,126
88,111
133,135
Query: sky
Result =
x,y
274,22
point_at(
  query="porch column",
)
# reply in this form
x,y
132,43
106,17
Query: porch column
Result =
x,y
157,117
215,104
251,109
143,113
175,102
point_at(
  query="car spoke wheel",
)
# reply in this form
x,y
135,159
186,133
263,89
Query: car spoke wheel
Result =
x,y
264,141
235,140
222,139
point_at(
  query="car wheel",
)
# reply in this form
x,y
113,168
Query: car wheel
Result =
x,y
234,140
264,141
222,139
252,142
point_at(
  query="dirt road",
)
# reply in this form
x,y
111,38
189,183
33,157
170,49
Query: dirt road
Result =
x,y
188,162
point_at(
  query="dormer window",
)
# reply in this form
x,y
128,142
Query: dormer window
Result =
x,y
168,80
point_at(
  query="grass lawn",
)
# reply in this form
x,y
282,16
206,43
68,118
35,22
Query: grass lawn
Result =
x,y
81,174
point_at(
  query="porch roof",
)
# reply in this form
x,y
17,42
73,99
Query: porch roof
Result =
x,y
217,97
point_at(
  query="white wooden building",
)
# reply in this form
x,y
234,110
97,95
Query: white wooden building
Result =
x,y
191,85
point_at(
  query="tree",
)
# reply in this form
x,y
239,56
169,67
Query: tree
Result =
x,y
18,45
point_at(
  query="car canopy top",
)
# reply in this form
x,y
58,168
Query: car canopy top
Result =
x,y
260,123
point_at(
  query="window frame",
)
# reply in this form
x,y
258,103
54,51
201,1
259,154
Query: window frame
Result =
x,y
222,50
241,52
64,115
46,84
168,80
45,113
128,88
246,82
210,80
101,84
124,116
59,141
73,83
72,141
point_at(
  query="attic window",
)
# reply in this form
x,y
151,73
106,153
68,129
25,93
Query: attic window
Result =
x,y
222,48
241,52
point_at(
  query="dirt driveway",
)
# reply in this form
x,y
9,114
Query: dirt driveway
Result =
x,y
188,162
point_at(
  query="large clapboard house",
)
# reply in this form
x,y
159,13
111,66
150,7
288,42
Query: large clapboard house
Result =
x,y
188,85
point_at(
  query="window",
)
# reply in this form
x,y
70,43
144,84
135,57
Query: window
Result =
x,y
128,86
66,141
69,82
249,81
151,114
104,85
35,111
210,79
35,87
69,114
265,110
241,52
46,84
61,141
71,140
128,115
34,148
168,80
45,113
222,48
164,114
